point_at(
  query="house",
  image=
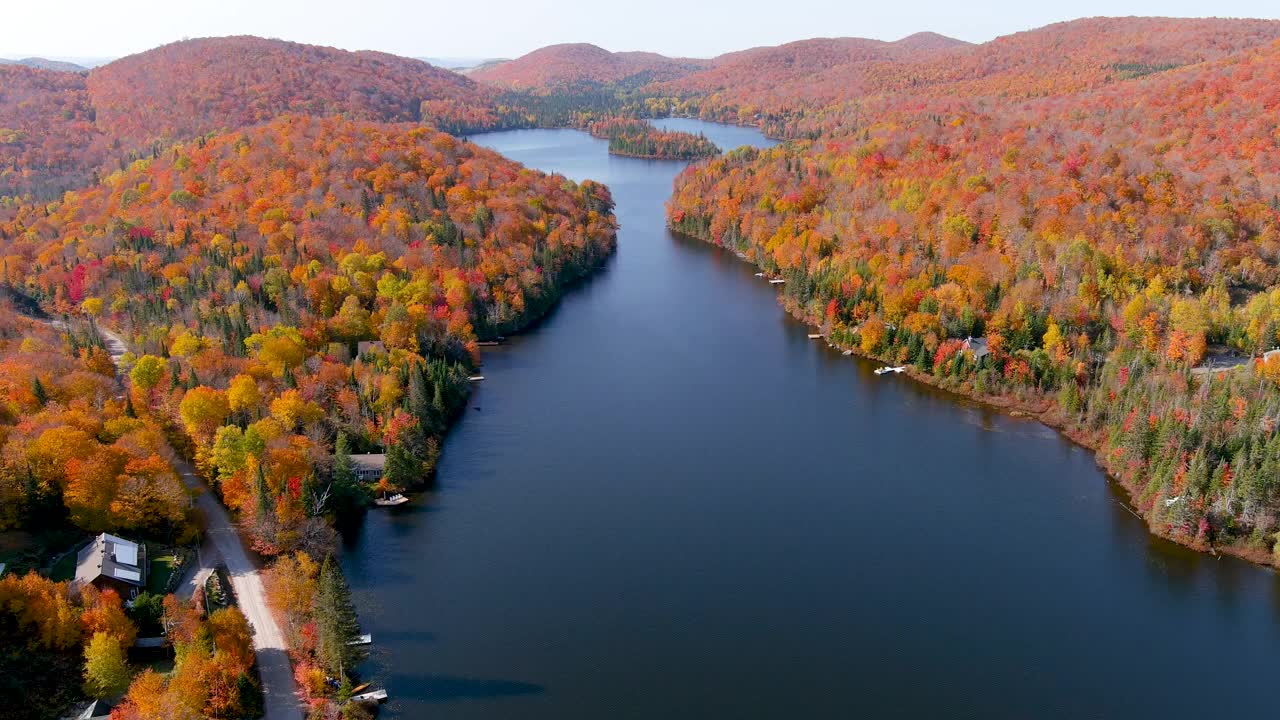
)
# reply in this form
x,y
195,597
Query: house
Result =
x,y
978,346
340,352
97,710
365,346
369,466
113,562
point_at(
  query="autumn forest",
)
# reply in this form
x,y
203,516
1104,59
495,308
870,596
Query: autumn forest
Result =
x,y
304,256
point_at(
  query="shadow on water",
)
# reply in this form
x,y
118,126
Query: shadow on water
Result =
x,y
676,504
452,688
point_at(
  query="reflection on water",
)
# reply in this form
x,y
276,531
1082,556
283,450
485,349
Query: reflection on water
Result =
x,y
673,504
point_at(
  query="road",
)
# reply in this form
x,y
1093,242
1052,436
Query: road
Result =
x,y
222,545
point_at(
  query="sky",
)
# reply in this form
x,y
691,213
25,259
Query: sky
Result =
x,y
509,28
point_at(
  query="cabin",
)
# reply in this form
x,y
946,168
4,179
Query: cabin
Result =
x,y
366,346
115,563
977,346
97,710
339,351
369,466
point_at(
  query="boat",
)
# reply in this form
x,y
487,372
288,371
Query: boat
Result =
x,y
375,696
888,369
360,688
847,353
814,336
776,281
391,501
760,274
361,640
475,378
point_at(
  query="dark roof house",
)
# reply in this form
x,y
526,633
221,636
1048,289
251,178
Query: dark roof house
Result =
x,y
97,710
369,466
113,562
978,346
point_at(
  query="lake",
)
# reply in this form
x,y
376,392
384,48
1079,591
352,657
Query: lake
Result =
x,y
664,501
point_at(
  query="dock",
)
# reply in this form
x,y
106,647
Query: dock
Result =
x,y
776,281
375,696
814,336
392,501
361,640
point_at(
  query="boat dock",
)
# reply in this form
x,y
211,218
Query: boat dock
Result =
x,y
361,640
375,696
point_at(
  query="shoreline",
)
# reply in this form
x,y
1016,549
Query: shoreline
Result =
x,y
1042,412
659,157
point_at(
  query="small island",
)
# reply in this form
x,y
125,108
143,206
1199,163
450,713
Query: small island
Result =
x,y
637,138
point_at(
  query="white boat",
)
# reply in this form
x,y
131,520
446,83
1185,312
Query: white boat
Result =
x,y
393,500
814,336
361,640
760,274
776,281
888,369
376,696
847,353
475,378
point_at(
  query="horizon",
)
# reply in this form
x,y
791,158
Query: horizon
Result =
x,y
97,39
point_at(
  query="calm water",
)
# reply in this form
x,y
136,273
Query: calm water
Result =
x,y
666,502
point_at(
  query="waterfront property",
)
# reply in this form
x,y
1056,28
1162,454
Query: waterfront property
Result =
x,y
978,346
369,466
113,562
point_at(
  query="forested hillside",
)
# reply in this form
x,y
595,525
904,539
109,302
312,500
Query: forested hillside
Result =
x,y
59,130
1104,231
197,86
256,261
578,67
301,264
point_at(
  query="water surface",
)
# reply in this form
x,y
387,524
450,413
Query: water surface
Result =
x,y
665,502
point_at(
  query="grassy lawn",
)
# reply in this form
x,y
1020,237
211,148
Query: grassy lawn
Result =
x,y
161,569
64,569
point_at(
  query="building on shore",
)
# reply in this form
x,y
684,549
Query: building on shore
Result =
x,y
369,466
977,346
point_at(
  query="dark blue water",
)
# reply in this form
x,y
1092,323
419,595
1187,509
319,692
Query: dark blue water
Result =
x,y
666,502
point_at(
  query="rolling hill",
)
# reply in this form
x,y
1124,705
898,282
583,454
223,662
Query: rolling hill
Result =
x,y
581,65
205,85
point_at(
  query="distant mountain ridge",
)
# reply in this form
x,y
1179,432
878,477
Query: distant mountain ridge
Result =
x,y
44,64
568,65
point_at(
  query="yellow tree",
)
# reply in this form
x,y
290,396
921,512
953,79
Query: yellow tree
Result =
x,y
203,410
105,671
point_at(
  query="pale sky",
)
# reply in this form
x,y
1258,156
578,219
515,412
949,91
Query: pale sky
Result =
x,y
508,28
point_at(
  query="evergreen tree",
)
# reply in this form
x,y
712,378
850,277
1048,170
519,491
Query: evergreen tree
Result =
x,y
336,623
347,497
401,470
37,389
